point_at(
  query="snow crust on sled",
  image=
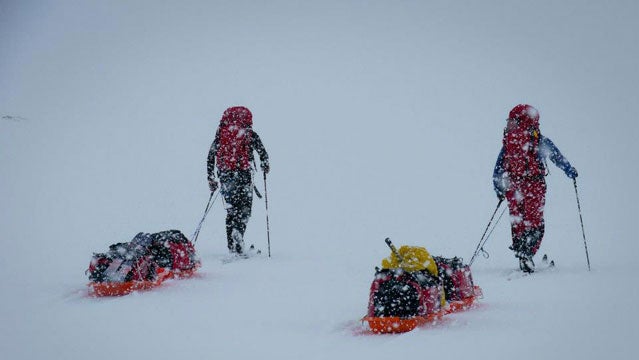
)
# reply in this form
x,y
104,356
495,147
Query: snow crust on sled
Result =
x,y
396,325
106,289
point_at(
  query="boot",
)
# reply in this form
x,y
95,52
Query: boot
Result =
x,y
526,263
238,241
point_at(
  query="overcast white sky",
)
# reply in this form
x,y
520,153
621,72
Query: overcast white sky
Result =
x,y
380,117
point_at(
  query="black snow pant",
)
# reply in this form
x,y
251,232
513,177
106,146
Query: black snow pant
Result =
x,y
237,189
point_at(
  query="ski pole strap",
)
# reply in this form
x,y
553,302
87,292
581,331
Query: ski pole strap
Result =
x,y
257,192
394,250
253,171
485,253
481,241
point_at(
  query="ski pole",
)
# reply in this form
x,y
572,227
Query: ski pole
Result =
x,y
394,250
257,192
268,231
582,223
209,205
482,241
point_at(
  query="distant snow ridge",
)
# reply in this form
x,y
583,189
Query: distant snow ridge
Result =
x,y
13,118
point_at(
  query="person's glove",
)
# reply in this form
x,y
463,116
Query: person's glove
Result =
x,y
212,184
572,173
265,167
500,195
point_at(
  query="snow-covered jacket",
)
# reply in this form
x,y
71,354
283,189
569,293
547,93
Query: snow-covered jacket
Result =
x,y
546,149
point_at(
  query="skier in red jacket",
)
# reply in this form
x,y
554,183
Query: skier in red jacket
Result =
x,y
519,176
233,149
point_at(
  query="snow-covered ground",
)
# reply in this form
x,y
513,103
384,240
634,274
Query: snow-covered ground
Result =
x,y
381,119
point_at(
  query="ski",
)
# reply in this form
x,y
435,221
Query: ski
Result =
x,y
249,253
545,265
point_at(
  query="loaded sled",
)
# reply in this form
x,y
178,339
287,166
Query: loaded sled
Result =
x,y
143,263
414,288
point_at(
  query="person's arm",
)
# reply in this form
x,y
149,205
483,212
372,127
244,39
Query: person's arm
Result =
x,y
498,175
210,163
548,149
256,144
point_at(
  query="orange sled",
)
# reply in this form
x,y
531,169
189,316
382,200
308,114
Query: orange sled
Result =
x,y
395,325
101,289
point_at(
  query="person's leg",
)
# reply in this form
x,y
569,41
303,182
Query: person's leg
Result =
x,y
515,198
244,203
238,194
228,181
534,216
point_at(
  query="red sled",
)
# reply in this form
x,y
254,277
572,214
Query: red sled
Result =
x,y
400,301
397,325
142,264
102,289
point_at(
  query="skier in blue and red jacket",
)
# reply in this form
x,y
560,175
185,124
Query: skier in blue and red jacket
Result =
x,y
519,176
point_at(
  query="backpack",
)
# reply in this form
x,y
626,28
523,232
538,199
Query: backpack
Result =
x,y
521,143
172,250
124,262
455,277
234,139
